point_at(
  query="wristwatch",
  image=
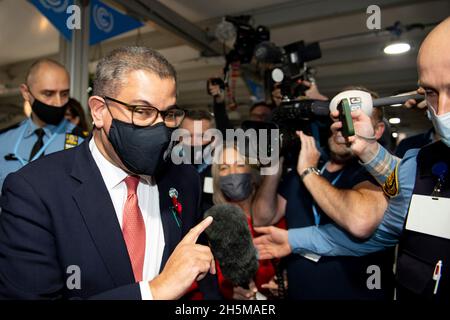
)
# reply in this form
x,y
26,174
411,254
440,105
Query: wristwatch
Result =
x,y
308,171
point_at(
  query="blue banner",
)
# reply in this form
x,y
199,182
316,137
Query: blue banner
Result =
x,y
105,22
55,12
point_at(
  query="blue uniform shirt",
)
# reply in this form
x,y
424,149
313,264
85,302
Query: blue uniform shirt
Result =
x,y
23,138
331,240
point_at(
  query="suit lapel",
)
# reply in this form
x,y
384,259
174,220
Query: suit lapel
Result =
x,y
95,205
172,232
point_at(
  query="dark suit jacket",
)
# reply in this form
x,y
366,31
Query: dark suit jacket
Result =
x,y
414,142
57,212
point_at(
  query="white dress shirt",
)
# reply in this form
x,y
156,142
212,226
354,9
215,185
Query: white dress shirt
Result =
x,y
148,200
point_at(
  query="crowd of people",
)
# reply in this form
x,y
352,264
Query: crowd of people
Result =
x,y
359,220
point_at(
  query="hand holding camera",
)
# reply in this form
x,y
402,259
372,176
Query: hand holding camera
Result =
x,y
216,88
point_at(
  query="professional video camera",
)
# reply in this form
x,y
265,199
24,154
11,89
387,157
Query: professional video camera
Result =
x,y
287,67
309,116
247,38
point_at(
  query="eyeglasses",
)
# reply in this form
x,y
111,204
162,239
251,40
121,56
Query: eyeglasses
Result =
x,y
146,115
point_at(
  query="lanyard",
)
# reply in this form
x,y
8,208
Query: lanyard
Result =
x,y
316,213
44,147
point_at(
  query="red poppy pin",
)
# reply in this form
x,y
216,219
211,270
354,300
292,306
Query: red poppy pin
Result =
x,y
177,208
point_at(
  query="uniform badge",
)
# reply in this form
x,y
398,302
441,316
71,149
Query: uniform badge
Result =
x,y
390,187
71,141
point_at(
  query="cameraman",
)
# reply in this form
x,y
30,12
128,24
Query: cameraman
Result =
x,y
259,111
311,92
216,88
330,197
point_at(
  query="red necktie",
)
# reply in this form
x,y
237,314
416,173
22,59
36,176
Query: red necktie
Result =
x,y
133,228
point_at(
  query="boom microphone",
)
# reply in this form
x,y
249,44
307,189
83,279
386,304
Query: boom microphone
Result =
x,y
231,243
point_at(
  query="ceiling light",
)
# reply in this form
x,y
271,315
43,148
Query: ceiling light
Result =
x,y
394,135
397,48
394,120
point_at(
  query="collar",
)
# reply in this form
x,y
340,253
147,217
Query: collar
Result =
x,y
431,154
48,129
112,175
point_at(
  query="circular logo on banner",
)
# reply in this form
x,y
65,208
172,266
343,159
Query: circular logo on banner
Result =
x,y
55,5
103,19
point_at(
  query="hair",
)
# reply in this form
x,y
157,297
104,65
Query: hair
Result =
x,y
114,67
378,112
199,115
76,110
218,196
37,64
260,104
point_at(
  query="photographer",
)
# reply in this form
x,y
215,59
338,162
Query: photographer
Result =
x,y
342,195
216,88
259,111
311,92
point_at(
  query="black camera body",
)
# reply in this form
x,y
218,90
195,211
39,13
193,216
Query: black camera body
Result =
x,y
292,67
309,116
247,38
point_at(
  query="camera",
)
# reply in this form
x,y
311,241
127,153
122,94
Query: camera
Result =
x,y
247,38
309,116
291,67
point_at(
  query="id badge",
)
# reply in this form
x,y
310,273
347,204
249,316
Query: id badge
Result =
x,y
208,185
311,256
429,215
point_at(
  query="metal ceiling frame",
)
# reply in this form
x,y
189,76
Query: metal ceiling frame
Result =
x,y
168,19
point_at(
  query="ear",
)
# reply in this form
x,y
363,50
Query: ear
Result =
x,y
379,129
25,93
97,106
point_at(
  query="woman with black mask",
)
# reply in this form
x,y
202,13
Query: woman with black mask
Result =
x,y
235,181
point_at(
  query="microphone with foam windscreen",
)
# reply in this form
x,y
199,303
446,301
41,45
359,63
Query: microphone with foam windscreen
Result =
x,y
231,243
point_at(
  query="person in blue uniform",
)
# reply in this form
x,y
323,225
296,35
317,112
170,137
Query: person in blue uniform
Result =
x,y
46,88
419,183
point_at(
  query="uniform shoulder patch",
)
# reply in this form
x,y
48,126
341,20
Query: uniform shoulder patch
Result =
x,y
71,141
79,132
390,186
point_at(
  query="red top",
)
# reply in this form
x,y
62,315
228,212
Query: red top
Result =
x,y
265,273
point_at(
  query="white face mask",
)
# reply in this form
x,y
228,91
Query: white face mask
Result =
x,y
441,125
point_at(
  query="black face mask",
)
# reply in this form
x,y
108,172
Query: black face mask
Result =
x,y
141,149
48,114
236,187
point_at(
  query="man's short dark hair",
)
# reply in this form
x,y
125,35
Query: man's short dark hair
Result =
x,y
378,112
114,67
260,104
199,115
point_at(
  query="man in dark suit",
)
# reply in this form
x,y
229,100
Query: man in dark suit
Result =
x,y
112,218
